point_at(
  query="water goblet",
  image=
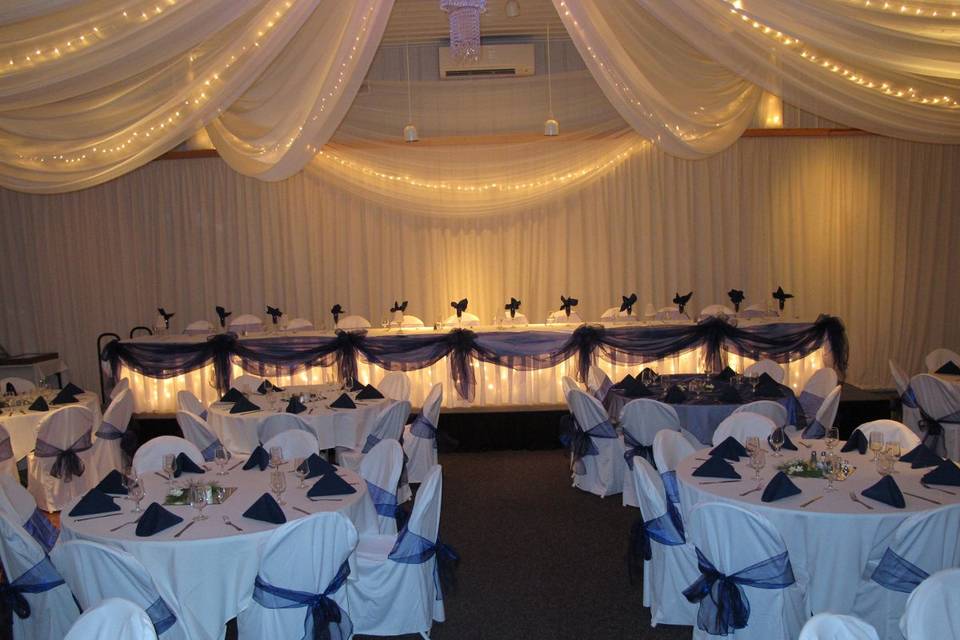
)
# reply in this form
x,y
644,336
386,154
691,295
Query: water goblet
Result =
x,y
884,463
220,457
776,441
753,444
893,449
758,459
276,457
169,465
876,444
278,483
135,491
829,471
300,467
198,500
833,435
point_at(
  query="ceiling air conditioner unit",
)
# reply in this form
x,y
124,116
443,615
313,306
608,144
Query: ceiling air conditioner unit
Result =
x,y
496,60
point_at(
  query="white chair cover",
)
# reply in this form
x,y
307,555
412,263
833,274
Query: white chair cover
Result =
x,y
307,556
70,427
199,327
353,323
8,464
387,426
107,454
561,317
197,432
598,382
568,384
186,401
467,319
716,310
53,611
391,597
918,548
665,314
910,415
826,415
613,314
892,431
768,367
21,508
22,385
18,498
733,539
420,448
299,324
835,626
743,425
149,456
933,609
245,322
669,448
396,386
295,444
246,383
123,385
757,311
519,319
815,390
380,468
939,357
277,423
601,471
96,572
673,563
113,618
640,421
412,322
940,400
773,410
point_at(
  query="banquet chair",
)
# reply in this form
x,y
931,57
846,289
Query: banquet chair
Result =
x,y
835,626
113,618
939,357
107,452
186,401
120,387
96,572
567,383
420,437
742,426
640,421
277,423
939,404
149,457
22,508
198,328
20,385
25,563
816,389
669,448
388,425
757,311
769,408
613,314
8,464
197,432
411,322
768,367
917,548
693,440
302,562
909,412
380,469
396,591
892,431
66,430
396,386
294,444
598,382
466,320
673,563
353,323
931,610
518,319
245,322
746,549
299,324
597,455
666,314
717,310
561,317
826,415
246,383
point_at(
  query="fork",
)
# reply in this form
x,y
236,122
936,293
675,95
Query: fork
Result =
x,y
226,521
118,527
927,486
853,496
749,491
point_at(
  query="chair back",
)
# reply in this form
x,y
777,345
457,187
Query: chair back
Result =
x,y
381,468
63,427
598,382
467,319
396,386
643,418
649,487
835,626
742,426
561,317
246,383
123,385
8,461
568,384
149,457
21,385
186,401
769,408
197,432
913,539
669,448
353,323
294,444
768,367
119,412
892,431
931,612
299,324
937,398
431,406
586,409
827,413
113,618
245,322
198,327
425,519
20,500
900,378
820,383
277,423
716,310
388,424
939,357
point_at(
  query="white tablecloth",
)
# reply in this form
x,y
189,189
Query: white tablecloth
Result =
x,y
211,568
830,541
22,424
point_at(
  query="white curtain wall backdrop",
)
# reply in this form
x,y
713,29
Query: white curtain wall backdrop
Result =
x,y
864,227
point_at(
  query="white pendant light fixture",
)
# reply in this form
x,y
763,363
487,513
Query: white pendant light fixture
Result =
x,y
551,127
410,131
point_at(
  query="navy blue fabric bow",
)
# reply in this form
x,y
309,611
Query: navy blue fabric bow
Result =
x,y
398,306
325,620
37,579
634,448
583,445
781,296
166,316
628,302
337,311
909,398
223,314
661,529
423,428
897,574
68,463
567,304
681,301
512,307
459,306
274,313
42,530
736,297
411,548
933,429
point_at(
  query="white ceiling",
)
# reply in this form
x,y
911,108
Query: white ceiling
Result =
x,y
424,21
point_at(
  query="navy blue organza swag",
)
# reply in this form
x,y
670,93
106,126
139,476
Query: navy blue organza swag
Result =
x,y
522,351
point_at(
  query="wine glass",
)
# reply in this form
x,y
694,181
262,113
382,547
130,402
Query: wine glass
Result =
x,y
135,491
220,457
837,466
776,441
276,457
758,459
753,444
278,482
833,435
884,463
169,465
832,464
300,467
876,444
893,450
198,500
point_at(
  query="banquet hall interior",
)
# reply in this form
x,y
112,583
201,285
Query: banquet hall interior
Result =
x,y
480,318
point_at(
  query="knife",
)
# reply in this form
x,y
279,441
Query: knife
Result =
x,y
179,533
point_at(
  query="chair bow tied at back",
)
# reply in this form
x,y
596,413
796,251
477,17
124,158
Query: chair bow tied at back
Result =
x,y
386,505
662,529
582,444
635,448
411,548
108,431
67,463
325,620
933,428
423,428
37,579
723,604
909,398
897,574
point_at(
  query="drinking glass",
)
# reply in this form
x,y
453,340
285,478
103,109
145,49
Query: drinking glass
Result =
x,y
276,457
300,467
876,444
753,444
832,461
758,459
884,463
169,465
893,449
198,500
220,457
135,491
833,434
776,442
278,482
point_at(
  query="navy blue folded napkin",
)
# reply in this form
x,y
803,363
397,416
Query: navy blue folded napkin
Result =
x,y
646,371
726,375
317,466
233,395
295,406
39,405
183,464
675,395
259,458
64,397
627,380
369,392
636,389
729,395
156,519
946,473
95,501
887,492
779,487
716,467
72,389
730,449
857,442
243,406
343,402
921,456
10,389
113,483
767,387
950,368
330,484
266,509
787,444
266,387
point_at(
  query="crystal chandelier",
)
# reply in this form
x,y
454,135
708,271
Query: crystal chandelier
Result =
x,y
464,27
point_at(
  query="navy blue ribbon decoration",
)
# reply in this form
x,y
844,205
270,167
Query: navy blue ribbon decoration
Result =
x,y
67,463
37,579
897,574
634,448
325,620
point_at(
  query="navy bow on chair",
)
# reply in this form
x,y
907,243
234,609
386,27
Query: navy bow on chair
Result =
x,y
68,463
634,448
325,620
512,307
661,529
583,446
37,579
411,548
274,313
223,314
933,428
567,304
423,428
897,574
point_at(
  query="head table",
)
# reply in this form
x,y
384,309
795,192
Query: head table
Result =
x,y
22,424
480,366
211,567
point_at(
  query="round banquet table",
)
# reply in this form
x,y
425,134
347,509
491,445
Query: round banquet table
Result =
x,y
23,424
211,568
831,540
333,427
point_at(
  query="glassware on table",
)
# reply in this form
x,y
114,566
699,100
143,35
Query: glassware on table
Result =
x,y
198,500
753,444
876,444
833,462
169,465
300,468
278,483
893,449
776,441
884,463
758,459
833,435
135,491
220,457
276,457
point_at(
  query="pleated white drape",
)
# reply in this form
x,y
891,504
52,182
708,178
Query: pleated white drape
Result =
x,y
862,227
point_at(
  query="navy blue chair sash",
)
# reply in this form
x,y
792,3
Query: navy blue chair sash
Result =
x,y
896,574
384,502
411,548
42,530
933,428
814,431
67,463
583,445
634,448
37,579
209,452
909,398
423,428
325,620
371,442
108,431
161,616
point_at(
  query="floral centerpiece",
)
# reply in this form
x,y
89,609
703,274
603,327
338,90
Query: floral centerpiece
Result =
x,y
800,468
180,496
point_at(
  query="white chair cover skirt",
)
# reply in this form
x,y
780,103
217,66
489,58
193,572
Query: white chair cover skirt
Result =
x,y
422,452
113,618
835,626
933,609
